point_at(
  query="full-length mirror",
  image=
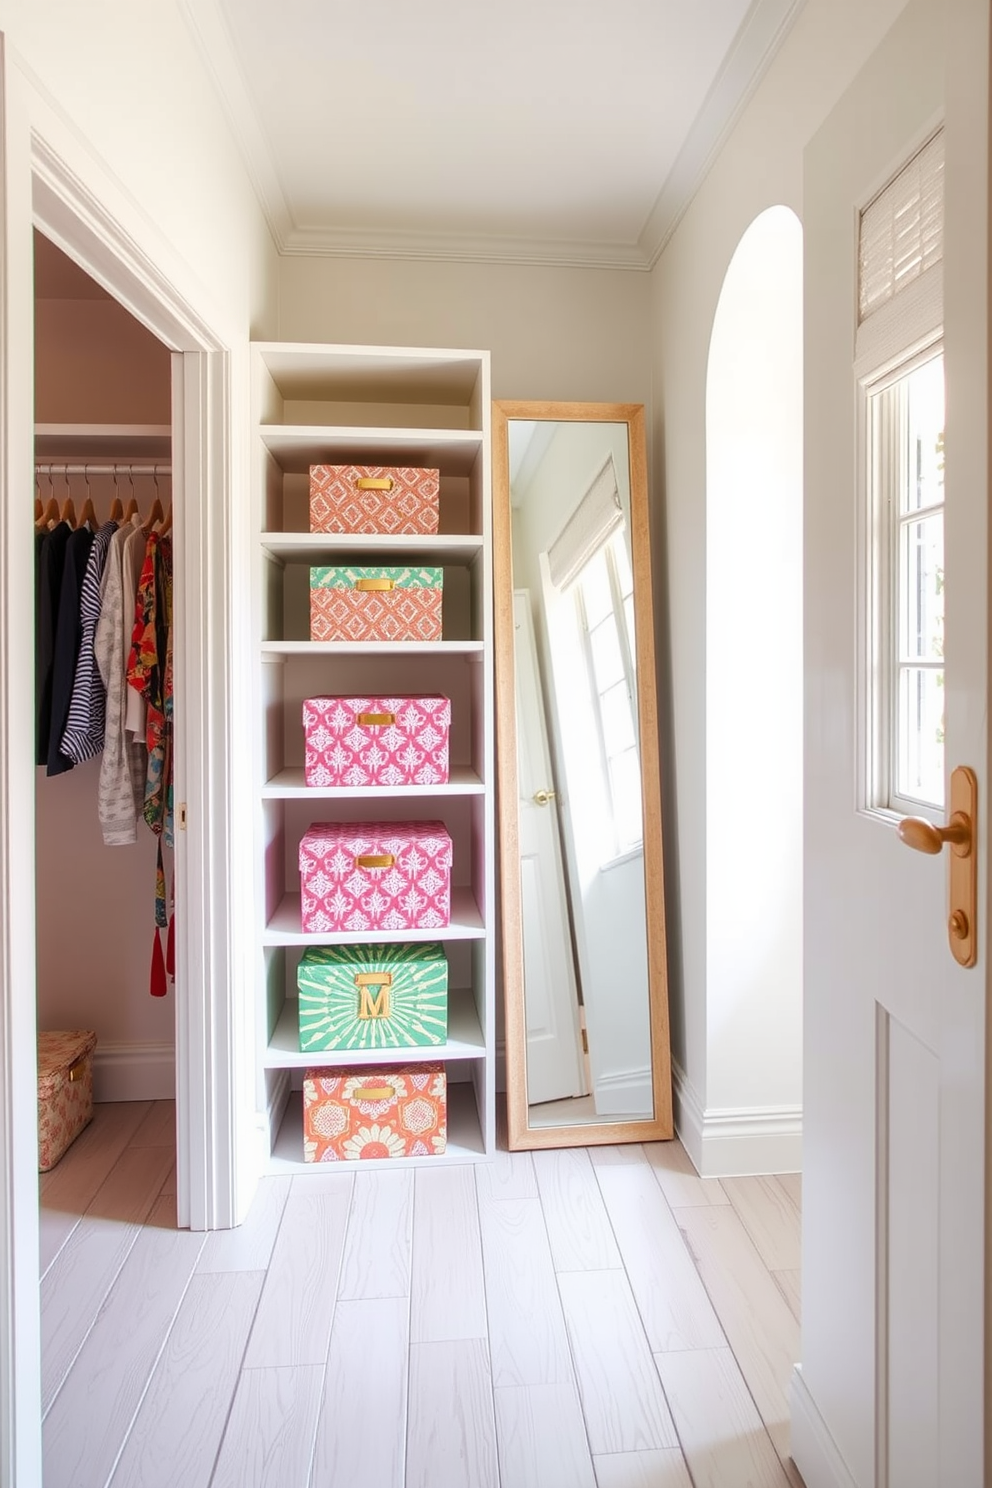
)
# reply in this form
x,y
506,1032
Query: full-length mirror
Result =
x,y
587,1048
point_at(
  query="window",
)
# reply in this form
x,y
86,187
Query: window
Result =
x,y
900,368
906,433
604,600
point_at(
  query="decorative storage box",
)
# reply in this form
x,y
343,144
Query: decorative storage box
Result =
x,y
65,1091
373,498
374,1111
375,876
375,604
376,740
373,997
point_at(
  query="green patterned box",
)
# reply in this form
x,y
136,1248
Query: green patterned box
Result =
x,y
375,604
373,997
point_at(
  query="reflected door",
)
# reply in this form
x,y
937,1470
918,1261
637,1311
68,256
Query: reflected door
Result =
x,y
554,1060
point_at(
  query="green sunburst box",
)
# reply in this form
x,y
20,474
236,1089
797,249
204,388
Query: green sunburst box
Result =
x,y
373,997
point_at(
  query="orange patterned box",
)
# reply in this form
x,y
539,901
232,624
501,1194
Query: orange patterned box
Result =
x,y
374,1110
65,1091
374,498
376,604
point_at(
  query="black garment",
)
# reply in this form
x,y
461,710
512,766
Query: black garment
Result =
x,y
68,634
50,560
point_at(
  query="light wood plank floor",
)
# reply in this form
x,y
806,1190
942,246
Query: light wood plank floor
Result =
x,y
596,1318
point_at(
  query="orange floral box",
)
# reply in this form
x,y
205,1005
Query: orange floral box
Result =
x,y
374,1110
65,1091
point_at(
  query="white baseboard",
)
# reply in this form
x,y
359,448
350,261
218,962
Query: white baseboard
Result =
x,y
133,1072
814,1450
732,1143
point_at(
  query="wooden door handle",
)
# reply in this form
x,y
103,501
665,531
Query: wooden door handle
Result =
x,y
924,837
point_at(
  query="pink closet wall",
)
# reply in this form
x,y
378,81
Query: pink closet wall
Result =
x,y
96,364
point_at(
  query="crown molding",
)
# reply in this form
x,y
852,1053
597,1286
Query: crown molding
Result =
x,y
332,242
762,33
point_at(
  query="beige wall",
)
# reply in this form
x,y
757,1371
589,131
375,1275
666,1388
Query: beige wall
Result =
x,y
759,166
564,334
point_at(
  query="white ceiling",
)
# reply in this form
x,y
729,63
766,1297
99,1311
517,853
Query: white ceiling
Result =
x,y
560,131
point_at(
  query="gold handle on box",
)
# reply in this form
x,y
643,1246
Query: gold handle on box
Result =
x,y
373,1092
372,1005
368,585
365,719
375,860
375,483
75,1070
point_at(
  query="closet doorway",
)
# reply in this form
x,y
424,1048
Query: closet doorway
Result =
x,y
103,451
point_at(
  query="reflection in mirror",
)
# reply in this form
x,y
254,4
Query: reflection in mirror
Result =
x,y
587,1029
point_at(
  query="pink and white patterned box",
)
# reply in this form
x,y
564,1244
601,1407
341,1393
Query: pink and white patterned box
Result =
x,y
384,741
361,876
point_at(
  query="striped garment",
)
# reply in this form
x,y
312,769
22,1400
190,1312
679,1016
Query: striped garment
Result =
x,y
82,737
124,760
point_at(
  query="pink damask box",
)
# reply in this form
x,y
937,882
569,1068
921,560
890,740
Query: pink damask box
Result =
x,y
361,876
65,1091
374,498
386,741
374,1111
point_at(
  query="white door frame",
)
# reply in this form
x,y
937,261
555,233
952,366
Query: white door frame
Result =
x,y
215,1151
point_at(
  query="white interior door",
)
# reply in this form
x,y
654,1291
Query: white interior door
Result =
x,y
554,1063
890,1393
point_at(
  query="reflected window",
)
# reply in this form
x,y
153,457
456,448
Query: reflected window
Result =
x,y
604,602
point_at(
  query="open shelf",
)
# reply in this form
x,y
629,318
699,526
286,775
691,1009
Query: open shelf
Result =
x,y
295,449
374,406
284,926
290,785
465,1041
327,548
371,648
464,1144
138,442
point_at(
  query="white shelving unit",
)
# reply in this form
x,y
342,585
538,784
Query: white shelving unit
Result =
x,y
317,404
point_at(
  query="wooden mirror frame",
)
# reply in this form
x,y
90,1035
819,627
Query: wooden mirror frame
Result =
x,y
658,1126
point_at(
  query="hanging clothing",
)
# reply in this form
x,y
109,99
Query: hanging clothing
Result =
x,y
135,706
50,558
150,673
83,736
121,792
68,633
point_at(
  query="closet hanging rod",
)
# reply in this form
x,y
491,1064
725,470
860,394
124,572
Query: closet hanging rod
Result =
x,y
122,467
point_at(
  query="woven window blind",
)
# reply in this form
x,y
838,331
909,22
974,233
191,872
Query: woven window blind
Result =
x,y
594,521
902,231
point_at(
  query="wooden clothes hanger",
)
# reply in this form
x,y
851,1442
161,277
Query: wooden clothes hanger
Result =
x,y
88,516
157,513
117,505
68,512
50,515
131,510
